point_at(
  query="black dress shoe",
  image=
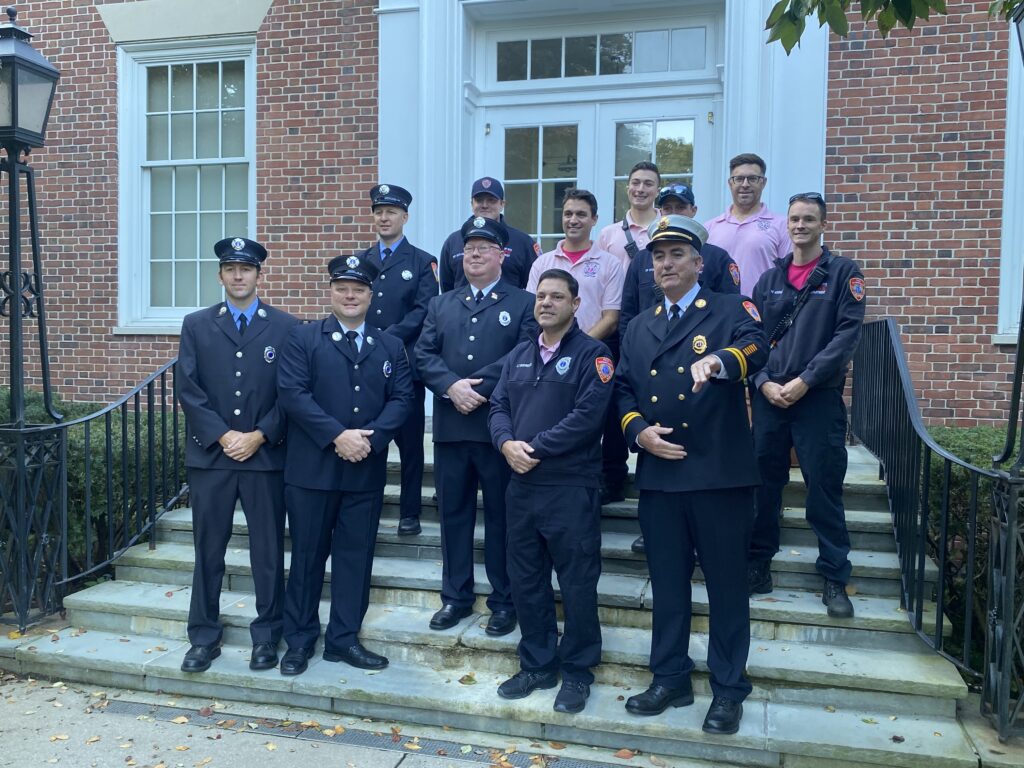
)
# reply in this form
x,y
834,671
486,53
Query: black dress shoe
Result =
x,y
835,599
723,716
199,657
572,697
658,698
500,623
449,616
523,683
409,526
357,656
638,545
759,577
295,661
264,656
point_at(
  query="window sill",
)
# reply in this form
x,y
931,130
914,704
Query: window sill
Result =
x,y
147,330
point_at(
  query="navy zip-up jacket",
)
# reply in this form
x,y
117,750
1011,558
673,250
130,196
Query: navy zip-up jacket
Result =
x,y
520,253
819,345
558,408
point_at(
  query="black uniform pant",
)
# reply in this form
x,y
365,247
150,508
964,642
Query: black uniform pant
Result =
x,y
342,524
214,493
409,440
459,468
556,526
614,451
714,526
816,427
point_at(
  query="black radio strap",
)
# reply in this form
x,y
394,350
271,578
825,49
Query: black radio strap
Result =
x,y
632,249
817,277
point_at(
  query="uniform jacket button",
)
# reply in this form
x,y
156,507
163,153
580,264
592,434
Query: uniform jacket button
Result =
x,y
237,374
654,372
356,387
685,425
473,320
469,357
356,409
237,412
238,393
654,398
472,338
682,396
378,311
356,366
238,353
680,369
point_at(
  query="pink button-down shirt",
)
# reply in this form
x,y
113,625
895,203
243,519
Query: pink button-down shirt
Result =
x,y
753,243
546,353
599,274
613,239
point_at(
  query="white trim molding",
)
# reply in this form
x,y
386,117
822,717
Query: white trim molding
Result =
x,y
1011,259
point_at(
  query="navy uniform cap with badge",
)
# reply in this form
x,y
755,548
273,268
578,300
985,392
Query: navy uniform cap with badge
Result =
x,y
701,504
486,229
226,378
335,377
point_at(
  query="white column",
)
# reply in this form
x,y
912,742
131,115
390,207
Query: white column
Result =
x,y
1011,262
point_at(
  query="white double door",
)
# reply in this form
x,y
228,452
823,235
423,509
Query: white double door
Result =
x,y
539,151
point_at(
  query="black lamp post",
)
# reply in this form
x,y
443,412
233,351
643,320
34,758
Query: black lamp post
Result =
x,y
27,83
1018,23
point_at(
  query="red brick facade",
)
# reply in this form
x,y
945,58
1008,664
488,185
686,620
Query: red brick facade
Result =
x,y
914,159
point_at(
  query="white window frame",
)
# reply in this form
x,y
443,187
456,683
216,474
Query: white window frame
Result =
x,y
1012,235
135,315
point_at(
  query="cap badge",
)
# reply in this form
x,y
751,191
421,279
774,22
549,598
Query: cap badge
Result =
x,y
406,274
238,243
700,303
352,262
223,311
663,224
383,189
504,318
336,336
485,183
479,222
261,312
387,369
563,365
700,344
269,353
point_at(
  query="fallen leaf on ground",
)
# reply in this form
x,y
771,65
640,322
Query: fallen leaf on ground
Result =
x,y
180,720
869,720
395,730
206,711
851,590
271,746
168,594
59,737
936,733
92,739
204,761
625,754
893,717
465,749
253,725
468,679
655,760
442,753
329,732
897,739
410,745
182,748
310,724
14,635
830,708
556,745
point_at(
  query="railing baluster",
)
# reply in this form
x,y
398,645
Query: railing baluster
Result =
x,y
151,462
87,512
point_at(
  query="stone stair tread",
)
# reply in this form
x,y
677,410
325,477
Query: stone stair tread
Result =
x,y
767,727
788,606
811,664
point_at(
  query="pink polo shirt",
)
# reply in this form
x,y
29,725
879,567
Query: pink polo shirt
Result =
x,y
753,243
613,239
599,274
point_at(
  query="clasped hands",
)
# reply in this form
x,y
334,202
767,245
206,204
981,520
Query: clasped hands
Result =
x,y
784,395
240,446
353,444
464,397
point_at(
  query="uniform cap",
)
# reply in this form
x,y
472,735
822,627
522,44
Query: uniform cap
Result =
x,y
353,267
488,186
390,194
681,191
677,228
488,229
240,250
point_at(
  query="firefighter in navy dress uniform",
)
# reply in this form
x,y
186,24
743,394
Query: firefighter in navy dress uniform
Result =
x,y
227,384
467,334
547,416
347,390
406,283
679,389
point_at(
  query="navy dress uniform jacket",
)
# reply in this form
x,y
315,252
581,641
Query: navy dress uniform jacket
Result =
x,y
325,388
557,407
228,380
720,274
401,293
520,253
654,386
465,340
821,342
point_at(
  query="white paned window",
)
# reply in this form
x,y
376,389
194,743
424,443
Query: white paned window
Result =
x,y
667,143
186,144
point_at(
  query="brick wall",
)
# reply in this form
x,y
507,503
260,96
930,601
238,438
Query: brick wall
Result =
x,y
915,164
316,141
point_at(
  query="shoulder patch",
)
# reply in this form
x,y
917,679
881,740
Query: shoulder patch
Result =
x,y
433,268
857,288
536,249
605,369
734,271
752,310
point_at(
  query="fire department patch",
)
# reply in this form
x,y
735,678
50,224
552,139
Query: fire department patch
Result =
x,y
734,270
605,369
752,310
857,288
536,249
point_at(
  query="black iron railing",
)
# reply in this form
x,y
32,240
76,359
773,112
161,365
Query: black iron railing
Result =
x,y
955,530
75,495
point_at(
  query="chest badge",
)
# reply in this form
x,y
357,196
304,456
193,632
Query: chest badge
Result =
x,y
223,311
387,369
406,274
370,341
336,336
504,318
590,269
700,303
261,312
700,344
562,366
269,354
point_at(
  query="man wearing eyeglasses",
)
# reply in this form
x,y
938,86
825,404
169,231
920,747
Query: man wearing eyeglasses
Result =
x,y
812,303
752,234
466,337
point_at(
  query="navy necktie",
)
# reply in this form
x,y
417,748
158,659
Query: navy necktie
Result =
x,y
352,336
242,324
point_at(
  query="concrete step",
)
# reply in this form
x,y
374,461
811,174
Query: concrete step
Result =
x,y
772,733
624,599
874,572
911,683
